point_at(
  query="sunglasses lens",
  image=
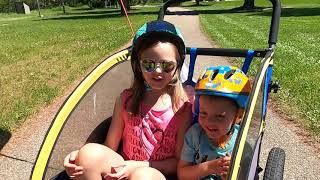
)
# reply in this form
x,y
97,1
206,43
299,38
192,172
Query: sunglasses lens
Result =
x,y
168,66
148,66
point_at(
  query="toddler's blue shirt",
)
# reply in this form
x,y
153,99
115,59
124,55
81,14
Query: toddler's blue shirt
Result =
x,y
198,148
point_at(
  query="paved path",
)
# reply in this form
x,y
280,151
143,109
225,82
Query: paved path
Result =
x,y
18,156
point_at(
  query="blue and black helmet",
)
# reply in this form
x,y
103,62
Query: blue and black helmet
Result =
x,y
159,29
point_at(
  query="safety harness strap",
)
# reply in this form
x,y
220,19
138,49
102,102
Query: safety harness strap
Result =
x,y
248,61
193,57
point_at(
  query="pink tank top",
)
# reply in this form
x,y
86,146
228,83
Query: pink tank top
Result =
x,y
152,136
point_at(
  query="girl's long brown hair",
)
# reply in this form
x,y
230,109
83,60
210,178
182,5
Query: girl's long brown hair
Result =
x,y
138,88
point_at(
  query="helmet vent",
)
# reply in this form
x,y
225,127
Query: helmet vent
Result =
x,y
215,73
229,74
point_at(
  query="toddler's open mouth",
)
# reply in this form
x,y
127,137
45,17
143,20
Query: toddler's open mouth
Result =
x,y
212,129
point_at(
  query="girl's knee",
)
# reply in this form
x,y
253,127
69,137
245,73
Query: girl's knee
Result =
x,y
90,154
94,155
146,173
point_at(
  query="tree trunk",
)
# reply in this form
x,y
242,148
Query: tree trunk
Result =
x,y
248,4
126,5
197,2
63,7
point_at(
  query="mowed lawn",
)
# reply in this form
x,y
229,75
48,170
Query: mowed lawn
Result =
x,y
297,58
41,57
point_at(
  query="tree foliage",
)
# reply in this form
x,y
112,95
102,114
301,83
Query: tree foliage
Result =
x,y
6,6
9,5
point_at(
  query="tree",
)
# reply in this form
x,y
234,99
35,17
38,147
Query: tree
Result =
x,y
248,4
63,7
126,5
197,2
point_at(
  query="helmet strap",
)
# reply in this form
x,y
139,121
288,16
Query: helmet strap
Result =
x,y
224,139
234,122
231,129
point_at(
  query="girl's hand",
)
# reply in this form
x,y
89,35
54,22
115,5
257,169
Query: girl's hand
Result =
x,y
71,168
221,166
124,170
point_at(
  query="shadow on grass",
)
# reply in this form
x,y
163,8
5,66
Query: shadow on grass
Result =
x,y
237,10
216,11
100,14
195,5
5,135
88,15
257,11
92,12
82,9
262,11
207,11
182,13
294,12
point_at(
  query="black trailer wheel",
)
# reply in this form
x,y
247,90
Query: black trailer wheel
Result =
x,y
275,164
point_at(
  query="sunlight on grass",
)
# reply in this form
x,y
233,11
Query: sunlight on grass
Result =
x,y
41,57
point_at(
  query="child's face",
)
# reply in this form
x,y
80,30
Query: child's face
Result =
x,y
216,116
158,64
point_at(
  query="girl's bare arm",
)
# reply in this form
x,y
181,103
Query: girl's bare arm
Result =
x,y
116,128
188,171
185,124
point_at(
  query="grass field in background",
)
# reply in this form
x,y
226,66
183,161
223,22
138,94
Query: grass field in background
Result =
x,y
41,57
297,57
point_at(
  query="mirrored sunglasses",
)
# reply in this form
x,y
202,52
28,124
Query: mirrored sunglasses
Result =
x,y
150,66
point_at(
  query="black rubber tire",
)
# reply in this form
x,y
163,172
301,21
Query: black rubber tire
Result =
x,y
275,164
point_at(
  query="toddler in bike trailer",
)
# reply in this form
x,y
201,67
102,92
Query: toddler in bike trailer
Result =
x,y
222,93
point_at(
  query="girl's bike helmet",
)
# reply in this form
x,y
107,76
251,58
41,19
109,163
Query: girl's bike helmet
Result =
x,y
156,29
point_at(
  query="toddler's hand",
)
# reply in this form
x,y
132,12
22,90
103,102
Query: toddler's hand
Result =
x,y
71,168
221,166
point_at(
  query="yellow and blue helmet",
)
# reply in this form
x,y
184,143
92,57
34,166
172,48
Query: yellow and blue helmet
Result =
x,y
225,81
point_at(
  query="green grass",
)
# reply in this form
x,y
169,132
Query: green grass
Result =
x,y
297,59
41,57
